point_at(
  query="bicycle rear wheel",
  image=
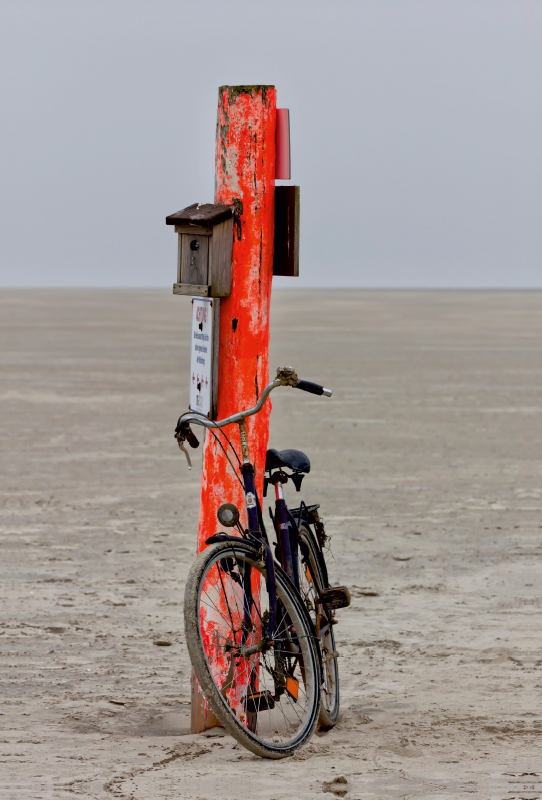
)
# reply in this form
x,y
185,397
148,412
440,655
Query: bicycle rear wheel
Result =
x,y
266,693
311,579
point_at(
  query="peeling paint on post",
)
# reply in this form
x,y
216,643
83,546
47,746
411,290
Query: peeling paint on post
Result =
x,y
245,176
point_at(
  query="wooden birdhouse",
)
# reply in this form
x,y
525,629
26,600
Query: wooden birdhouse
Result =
x,y
204,260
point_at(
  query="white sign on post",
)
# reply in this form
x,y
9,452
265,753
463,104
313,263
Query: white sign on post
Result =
x,y
201,358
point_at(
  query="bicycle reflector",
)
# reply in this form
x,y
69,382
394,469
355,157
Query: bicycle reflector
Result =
x,y
228,515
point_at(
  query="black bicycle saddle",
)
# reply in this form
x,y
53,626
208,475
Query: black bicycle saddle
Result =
x,y
293,459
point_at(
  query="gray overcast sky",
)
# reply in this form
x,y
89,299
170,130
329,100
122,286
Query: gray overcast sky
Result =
x,y
416,135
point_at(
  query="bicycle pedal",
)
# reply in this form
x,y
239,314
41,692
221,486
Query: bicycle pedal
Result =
x,y
259,701
336,597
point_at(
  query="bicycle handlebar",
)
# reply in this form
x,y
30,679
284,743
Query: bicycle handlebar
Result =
x,y
286,376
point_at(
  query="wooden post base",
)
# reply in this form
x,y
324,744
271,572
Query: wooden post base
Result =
x,y
201,717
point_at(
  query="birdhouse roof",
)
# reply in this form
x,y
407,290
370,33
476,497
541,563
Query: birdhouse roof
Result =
x,y
201,214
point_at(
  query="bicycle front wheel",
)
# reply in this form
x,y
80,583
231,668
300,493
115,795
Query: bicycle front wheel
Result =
x,y
264,689
312,582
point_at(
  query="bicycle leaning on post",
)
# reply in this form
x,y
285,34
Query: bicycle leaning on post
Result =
x,y
259,631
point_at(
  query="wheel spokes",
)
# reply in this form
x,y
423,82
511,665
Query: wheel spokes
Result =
x,y
263,682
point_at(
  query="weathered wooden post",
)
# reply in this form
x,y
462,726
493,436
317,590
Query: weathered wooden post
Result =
x,y
245,177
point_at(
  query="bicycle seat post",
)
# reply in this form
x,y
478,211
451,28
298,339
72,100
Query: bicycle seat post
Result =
x,y
244,441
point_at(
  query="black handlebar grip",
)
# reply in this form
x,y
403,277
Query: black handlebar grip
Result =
x,y
185,431
308,386
191,438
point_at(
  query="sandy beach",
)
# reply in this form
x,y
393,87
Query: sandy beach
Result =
x,y
427,465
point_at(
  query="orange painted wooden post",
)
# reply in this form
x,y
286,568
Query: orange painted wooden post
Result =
x,y
245,176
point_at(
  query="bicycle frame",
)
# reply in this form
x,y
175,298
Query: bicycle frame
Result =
x,y
251,505
288,554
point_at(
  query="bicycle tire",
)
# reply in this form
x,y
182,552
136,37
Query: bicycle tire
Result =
x,y
271,724
311,583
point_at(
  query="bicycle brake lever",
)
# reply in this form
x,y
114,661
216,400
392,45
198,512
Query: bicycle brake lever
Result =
x,y
185,451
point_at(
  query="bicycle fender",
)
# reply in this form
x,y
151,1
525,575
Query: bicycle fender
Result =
x,y
321,559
